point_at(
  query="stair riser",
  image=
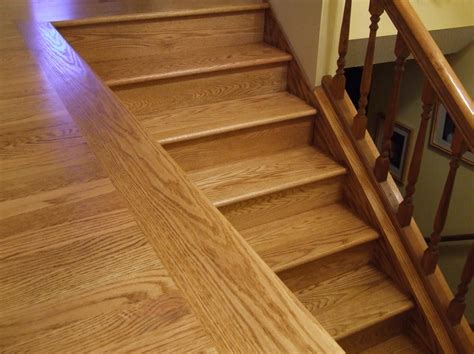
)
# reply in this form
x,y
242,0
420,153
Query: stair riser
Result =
x,y
328,267
153,98
241,144
151,37
283,204
375,334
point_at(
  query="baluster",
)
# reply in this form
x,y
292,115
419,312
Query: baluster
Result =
x,y
431,255
360,120
405,210
382,163
458,305
339,80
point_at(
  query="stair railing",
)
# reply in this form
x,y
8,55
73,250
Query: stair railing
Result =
x,y
441,84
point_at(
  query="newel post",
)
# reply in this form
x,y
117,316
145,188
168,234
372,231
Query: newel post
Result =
x,y
382,163
360,120
339,80
431,255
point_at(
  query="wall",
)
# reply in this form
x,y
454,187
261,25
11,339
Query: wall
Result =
x,y
435,164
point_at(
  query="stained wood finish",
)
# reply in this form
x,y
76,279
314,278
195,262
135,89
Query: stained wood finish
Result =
x,y
401,344
339,80
304,237
382,163
166,36
250,178
354,301
145,100
405,210
360,120
120,143
458,304
431,255
375,206
439,73
222,117
186,62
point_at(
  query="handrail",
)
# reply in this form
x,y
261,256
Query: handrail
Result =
x,y
436,68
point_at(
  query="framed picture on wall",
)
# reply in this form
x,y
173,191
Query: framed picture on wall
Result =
x,y
442,132
399,148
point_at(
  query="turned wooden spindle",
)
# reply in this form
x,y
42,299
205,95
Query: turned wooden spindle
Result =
x,y
431,255
405,209
360,120
339,80
382,163
458,304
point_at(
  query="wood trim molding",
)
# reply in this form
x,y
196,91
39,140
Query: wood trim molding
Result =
x,y
409,239
240,302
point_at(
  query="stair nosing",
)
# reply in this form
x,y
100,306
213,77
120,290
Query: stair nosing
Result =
x,y
279,188
275,59
98,20
236,127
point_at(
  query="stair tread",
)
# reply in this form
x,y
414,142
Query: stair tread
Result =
x,y
305,237
250,178
175,64
175,125
354,301
396,345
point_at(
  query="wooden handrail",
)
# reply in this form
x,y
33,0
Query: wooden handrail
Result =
x,y
434,65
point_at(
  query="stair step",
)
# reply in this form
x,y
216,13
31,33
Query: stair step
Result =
x,y
217,118
145,100
251,178
400,344
176,64
354,301
135,38
305,237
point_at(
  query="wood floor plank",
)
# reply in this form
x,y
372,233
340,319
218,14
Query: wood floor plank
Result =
x,y
175,126
295,240
155,67
255,177
354,301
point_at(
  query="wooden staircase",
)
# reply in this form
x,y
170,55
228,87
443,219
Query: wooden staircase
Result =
x,y
210,90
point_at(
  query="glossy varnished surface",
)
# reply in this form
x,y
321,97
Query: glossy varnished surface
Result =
x,y
95,217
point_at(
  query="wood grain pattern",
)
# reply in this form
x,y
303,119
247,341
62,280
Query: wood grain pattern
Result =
x,y
401,344
354,301
255,177
212,151
373,202
437,70
249,213
191,251
150,99
298,239
132,39
125,71
222,117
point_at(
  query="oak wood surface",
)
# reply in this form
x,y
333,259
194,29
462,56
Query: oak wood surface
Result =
x,y
250,178
135,39
354,301
406,268
120,143
288,242
149,99
401,344
434,65
174,125
186,62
